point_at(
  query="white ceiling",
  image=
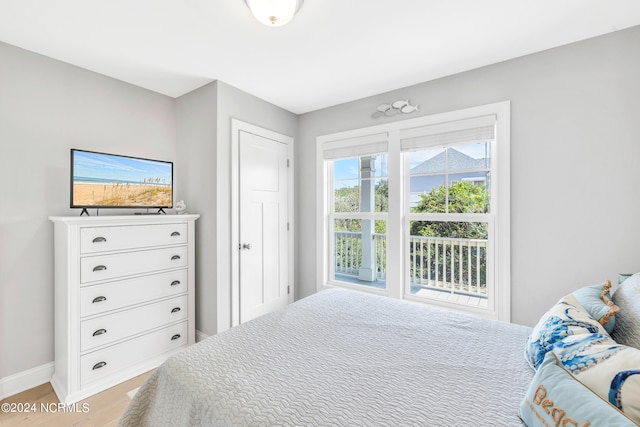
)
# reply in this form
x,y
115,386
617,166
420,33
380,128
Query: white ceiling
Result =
x,y
333,51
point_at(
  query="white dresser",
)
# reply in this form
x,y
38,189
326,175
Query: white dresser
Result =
x,y
124,298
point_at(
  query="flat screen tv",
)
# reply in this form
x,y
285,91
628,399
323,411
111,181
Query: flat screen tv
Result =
x,y
101,180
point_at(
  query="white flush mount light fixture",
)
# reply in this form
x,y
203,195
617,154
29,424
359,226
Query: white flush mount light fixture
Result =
x,y
274,13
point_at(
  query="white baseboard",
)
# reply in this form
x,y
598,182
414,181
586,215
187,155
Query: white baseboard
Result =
x,y
201,336
17,383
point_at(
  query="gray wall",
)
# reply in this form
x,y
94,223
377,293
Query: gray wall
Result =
x,y
575,146
196,114
46,108
204,144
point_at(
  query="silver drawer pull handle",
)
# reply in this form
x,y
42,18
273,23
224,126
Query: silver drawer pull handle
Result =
x,y
175,233
175,309
99,332
99,240
175,283
175,337
99,365
99,268
175,257
99,299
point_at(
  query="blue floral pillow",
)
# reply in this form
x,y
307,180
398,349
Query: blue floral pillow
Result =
x,y
556,398
596,300
565,318
609,369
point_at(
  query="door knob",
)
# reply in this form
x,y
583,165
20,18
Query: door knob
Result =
x,y
246,246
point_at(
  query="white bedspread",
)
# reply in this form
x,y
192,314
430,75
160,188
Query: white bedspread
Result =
x,y
344,358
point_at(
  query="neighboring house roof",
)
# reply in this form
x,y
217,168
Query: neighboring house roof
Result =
x,y
457,161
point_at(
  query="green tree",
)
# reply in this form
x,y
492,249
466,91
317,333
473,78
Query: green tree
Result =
x,y
382,204
464,197
347,199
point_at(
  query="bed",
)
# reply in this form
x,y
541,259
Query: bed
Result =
x,y
342,357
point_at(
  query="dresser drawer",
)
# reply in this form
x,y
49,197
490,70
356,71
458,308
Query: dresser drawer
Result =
x,y
103,267
114,295
116,326
102,239
109,361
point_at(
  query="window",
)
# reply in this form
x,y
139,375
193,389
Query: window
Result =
x,y
359,220
358,206
447,239
419,209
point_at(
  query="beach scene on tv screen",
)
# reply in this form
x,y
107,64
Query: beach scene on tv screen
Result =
x,y
109,180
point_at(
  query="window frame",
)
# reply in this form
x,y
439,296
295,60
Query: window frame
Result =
x,y
333,216
398,215
489,218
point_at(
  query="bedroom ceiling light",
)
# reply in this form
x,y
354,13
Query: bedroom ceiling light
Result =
x,y
274,13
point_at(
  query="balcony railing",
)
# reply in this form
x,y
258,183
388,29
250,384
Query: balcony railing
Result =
x,y
451,264
348,253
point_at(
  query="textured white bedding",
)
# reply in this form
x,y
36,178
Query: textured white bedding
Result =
x,y
342,357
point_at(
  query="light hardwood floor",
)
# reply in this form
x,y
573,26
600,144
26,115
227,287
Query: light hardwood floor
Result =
x,y
102,409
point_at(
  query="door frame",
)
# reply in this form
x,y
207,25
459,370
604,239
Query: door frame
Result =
x,y
238,126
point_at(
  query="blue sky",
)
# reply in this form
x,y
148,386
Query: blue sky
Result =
x,y
117,168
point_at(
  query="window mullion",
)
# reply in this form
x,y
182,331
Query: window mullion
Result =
x,y
394,224
359,215
446,179
451,217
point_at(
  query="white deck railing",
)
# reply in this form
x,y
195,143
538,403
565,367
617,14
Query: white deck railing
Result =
x,y
453,264
348,253
449,263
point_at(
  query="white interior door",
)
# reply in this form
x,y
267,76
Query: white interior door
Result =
x,y
263,236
